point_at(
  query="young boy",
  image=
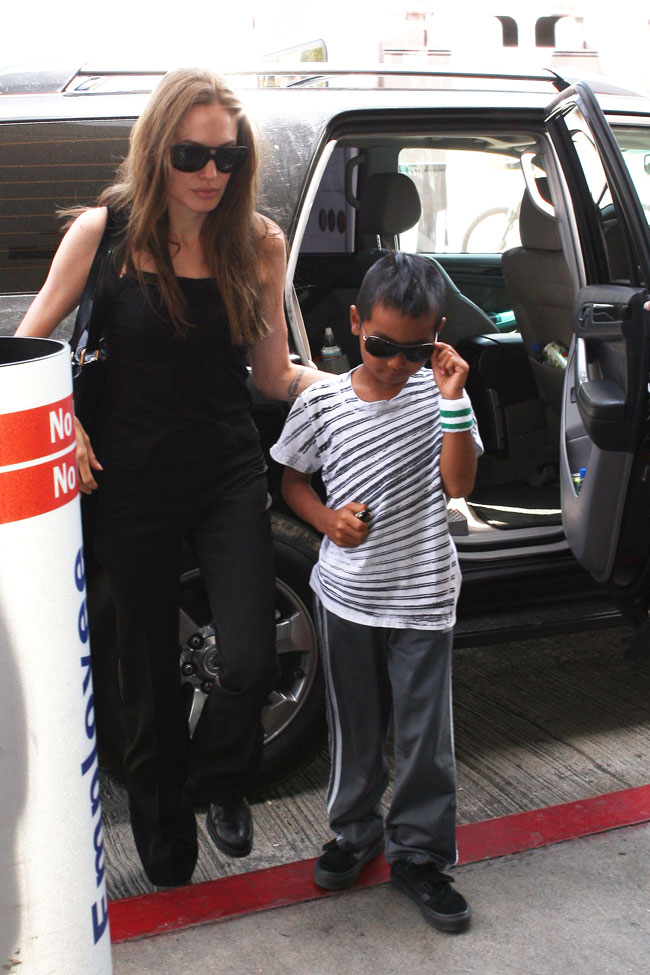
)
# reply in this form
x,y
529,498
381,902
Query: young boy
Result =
x,y
390,439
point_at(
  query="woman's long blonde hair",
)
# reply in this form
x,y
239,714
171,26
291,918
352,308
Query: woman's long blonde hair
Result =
x,y
230,233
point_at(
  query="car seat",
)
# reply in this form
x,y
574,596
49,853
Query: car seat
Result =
x,y
390,206
542,292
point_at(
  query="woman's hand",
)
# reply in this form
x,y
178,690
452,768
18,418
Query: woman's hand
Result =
x,y
86,460
450,371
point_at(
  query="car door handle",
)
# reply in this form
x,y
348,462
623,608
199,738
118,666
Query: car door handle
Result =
x,y
582,372
601,319
601,399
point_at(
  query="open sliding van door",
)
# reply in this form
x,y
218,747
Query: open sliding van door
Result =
x,y
605,430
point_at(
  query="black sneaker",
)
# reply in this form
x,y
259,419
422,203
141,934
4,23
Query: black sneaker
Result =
x,y
337,868
441,905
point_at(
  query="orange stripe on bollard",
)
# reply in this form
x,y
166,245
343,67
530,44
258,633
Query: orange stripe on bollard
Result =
x,y
54,915
40,432
29,491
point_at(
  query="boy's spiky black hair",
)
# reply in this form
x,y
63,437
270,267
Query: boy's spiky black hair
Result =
x,y
408,283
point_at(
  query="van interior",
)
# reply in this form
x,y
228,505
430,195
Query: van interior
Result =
x,y
488,210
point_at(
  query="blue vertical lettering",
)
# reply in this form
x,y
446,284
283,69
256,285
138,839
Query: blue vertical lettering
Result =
x,y
99,923
99,910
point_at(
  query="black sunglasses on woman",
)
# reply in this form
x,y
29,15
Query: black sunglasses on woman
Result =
x,y
188,157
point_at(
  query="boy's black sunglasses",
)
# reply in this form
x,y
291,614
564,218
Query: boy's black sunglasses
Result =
x,y
190,158
383,349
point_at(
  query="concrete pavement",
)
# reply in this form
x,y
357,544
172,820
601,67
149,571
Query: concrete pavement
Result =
x,y
580,907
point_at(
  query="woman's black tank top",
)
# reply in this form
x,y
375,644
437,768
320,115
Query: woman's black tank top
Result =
x,y
168,398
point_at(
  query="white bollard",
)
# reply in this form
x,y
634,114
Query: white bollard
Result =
x,y
53,906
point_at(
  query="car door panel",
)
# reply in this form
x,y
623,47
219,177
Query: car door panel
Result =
x,y
601,421
606,386
611,347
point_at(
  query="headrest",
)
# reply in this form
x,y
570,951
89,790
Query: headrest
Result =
x,y
537,230
390,205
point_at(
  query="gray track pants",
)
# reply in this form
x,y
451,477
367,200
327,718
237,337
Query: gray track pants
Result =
x,y
370,671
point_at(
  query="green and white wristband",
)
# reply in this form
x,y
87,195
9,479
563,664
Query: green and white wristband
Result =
x,y
456,414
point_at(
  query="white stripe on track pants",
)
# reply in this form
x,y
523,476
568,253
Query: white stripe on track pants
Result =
x,y
371,672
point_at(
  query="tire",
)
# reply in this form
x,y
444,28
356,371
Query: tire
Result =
x,y
294,720
294,743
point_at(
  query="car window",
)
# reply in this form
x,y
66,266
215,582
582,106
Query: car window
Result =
x,y
470,200
634,143
592,166
46,167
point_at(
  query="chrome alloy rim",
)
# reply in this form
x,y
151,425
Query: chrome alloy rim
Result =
x,y
296,645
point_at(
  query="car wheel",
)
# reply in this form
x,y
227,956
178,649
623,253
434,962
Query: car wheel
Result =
x,y
295,730
294,717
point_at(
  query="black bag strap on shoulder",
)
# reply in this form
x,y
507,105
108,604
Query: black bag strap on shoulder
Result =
x,y
86,341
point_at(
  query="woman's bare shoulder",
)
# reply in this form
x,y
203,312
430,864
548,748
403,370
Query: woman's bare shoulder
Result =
x,y
271,243
65,282
90,224
80,243
268,229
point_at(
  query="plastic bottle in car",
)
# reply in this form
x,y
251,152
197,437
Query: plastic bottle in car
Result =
x,y
332,359
578,478
555,355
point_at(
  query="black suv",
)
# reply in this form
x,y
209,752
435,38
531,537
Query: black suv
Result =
x,y
532,196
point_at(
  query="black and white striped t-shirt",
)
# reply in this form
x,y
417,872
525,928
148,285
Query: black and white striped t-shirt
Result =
x,y
385,454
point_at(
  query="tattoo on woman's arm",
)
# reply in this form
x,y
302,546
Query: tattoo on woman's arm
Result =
x,y
292,389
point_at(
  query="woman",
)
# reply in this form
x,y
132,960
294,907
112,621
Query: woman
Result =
x,y
198,284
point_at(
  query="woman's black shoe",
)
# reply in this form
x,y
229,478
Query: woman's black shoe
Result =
x,y
158,889
231,828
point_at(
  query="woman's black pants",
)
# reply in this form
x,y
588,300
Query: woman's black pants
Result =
x,y
143,519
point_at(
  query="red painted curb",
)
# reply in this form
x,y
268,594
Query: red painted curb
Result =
x,y
292,883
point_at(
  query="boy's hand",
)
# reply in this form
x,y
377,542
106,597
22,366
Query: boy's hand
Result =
x,y
450,371
343,528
